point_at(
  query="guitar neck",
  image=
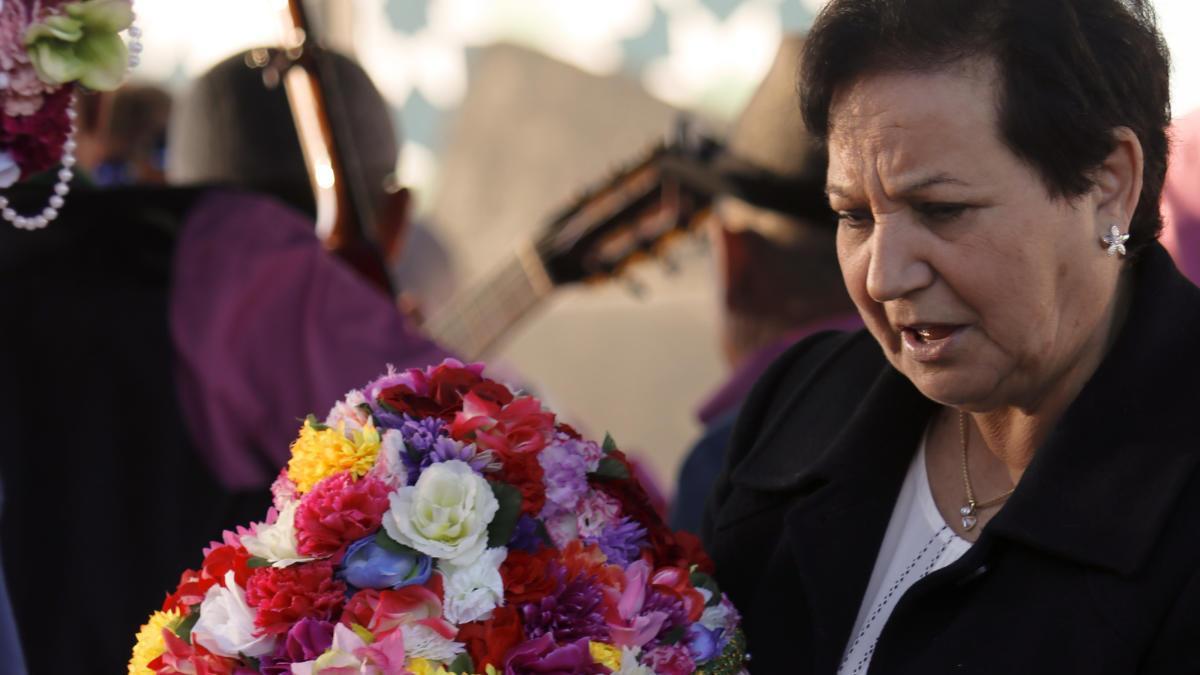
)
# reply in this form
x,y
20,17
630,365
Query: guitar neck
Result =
x,y
475,319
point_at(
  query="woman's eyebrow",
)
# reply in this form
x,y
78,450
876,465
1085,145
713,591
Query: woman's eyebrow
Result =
x,y
832,189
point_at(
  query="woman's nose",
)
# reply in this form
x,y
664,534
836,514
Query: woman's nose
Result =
x,y
898,266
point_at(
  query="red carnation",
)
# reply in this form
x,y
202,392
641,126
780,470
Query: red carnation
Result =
x,y
525,576
666,550
36,141
285,595
524,472
193,585
488,641
402,399
338,511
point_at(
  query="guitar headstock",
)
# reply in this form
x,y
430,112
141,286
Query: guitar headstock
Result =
x,y
630,216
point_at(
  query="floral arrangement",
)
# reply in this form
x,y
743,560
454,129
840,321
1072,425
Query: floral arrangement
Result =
x,y
438,523
48,49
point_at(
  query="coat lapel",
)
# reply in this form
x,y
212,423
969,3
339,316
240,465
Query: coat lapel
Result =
x,y
834,533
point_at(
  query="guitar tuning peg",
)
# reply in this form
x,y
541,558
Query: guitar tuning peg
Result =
x,y
670,264
636,288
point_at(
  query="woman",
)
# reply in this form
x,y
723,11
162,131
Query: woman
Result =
x,y
998,475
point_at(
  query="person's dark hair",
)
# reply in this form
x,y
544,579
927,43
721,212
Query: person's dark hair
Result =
x,y
1070,72
234,125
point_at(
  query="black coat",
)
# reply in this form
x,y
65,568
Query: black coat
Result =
x,y
1093,565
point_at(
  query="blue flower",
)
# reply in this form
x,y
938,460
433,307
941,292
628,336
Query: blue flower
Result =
x,y
369,565
702,643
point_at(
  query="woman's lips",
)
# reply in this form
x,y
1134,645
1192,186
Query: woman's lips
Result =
x,y
928,343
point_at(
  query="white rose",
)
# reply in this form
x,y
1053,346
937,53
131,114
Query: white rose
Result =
x,y
472,592
276,542
10,173
445,515
226,624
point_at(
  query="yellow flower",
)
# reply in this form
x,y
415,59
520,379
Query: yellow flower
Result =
x,y
321,451
606,655
150,644
426,667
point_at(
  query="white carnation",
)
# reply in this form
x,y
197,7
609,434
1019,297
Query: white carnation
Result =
x,y
389,468
472,592
630,665
423,642
226,624
277,543
445,515
347,410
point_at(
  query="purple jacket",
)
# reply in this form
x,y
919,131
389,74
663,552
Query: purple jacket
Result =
x,y
269,327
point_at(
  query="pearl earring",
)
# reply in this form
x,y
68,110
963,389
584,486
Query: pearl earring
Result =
x,y
1115,241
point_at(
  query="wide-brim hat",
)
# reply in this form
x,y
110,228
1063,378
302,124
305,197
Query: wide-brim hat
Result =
x,y
769,160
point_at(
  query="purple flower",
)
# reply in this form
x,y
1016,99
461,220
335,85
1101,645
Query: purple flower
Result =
x,y
525,536
307,639
426,443
703,644
672,607
564,464
369,565
572,612
542,655
621,542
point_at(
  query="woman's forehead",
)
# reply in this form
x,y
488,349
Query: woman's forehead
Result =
x,y
908,127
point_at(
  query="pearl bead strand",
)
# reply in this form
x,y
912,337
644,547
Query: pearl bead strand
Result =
x,y
62,186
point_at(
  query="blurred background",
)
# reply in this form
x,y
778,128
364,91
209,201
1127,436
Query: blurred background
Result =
x,y
510,108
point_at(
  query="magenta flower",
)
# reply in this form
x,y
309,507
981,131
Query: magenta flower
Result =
x,y
543,655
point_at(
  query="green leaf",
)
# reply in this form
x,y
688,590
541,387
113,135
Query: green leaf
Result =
x,y
702,580
313,422
611,468
385,542
256,562
184,630
501,528
609,444
673,636
462,664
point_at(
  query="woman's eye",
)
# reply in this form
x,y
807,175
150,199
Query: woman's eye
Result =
x,y
941,212
854,219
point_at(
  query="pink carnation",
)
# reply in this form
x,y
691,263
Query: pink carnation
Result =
x,y
669,660
597,511
284,595
337,511
25,91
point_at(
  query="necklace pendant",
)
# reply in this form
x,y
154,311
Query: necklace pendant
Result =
x,y
969,519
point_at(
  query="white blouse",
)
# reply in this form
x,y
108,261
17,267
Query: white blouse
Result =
x,y
918,542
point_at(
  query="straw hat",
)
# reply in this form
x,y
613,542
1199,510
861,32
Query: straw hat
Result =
x,y
769,160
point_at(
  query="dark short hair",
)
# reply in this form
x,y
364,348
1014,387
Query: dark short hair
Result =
x,y
1070,72
234,125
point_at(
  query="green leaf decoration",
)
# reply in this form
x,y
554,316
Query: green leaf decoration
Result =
x,y
383,541
184,630
501,528
463,664
313,422
673,636
702,580
611,468
255,563
609,444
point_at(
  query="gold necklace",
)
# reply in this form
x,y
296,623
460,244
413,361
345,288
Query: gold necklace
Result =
x,y
970,510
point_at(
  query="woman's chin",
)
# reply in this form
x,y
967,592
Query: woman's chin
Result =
x,y
950,386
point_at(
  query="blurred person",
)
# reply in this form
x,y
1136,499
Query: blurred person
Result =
x,y
1181,196
773,235
186,326
122,135
261,312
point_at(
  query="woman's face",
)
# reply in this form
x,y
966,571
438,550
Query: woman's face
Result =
x,y
981,288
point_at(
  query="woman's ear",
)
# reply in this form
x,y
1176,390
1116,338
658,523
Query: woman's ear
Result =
x,y
1118,181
